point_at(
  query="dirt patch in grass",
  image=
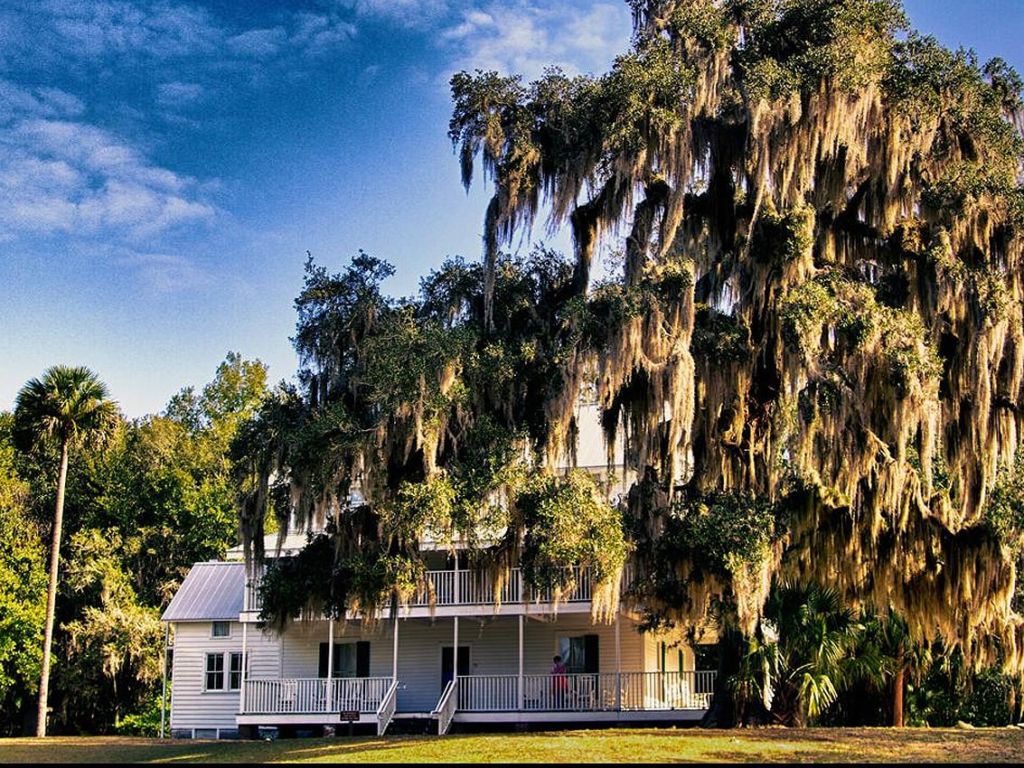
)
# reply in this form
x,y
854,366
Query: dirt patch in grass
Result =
x,y
860,745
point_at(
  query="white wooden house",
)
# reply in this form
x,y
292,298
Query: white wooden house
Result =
x,y
229,677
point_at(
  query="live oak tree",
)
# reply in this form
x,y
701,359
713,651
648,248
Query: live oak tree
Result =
x,y
813,350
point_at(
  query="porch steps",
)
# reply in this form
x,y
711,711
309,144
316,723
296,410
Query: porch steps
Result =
x,y
413,723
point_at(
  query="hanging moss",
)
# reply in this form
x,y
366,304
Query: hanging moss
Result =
x,y
818,307
848,197
568,522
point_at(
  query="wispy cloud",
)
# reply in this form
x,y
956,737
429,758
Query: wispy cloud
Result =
x,y
166,272
72,177
525,37
178,94
406,13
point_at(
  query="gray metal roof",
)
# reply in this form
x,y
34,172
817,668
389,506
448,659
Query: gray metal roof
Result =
x,y
210,592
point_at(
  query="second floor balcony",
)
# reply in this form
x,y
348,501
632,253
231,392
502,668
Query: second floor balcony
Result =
x,y
474,591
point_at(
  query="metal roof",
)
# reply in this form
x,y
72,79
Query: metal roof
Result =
x,y
210,592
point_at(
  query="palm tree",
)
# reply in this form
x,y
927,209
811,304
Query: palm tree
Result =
x,y
67,407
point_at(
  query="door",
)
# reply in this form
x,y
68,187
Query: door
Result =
x,y
446,663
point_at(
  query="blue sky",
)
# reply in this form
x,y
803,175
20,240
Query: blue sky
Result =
x,y
165,164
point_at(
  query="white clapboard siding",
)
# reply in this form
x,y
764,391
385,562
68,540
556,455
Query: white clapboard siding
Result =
x,y
191,706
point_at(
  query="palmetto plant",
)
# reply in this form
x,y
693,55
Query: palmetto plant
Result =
x,y
66,409
798,661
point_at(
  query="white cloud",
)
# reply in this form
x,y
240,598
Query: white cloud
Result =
x,y
525,37
72,177
166,272
258,43
406,13
177,94
318,33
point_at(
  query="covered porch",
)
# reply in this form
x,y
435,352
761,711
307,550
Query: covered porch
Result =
x,y
483,668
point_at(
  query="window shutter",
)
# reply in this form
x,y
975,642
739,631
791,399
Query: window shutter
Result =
x,y
591,660
323,659
363,659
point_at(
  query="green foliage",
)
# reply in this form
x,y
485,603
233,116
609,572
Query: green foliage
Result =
x,y
568,524
315,582
786,236
725,530
718,337
792,45
115,645
833,304
145,721
706,23
948,693
22,588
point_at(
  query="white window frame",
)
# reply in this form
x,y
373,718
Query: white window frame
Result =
x,y
213,630
207,672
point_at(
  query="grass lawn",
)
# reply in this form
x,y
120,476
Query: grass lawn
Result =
x,y
910,745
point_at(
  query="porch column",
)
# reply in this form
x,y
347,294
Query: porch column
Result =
x,y
163,689
455,651
330,662
245,664
394,653
519,689
618,662
455,588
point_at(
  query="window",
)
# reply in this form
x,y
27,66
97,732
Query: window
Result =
x,y
579,654
349,659
222,629
235,677
215,672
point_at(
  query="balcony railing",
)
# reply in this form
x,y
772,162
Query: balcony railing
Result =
x,y
596,692
477,587
313,695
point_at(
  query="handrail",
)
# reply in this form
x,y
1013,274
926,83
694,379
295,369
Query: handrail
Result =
x,y
446,706
386,710
308,695
588,692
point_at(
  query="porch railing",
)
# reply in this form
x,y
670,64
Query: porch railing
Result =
x,y
446,707
594,692
475,587
308,695
386,709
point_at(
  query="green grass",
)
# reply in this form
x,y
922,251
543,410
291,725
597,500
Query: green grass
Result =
x,y
911,745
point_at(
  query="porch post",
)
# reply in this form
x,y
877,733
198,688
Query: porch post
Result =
x,y
245,664
330,662
455,586
519,691
394,654
163,689
455,652
618,662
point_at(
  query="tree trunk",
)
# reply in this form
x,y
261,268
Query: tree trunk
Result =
x,y
51,593
897,698
722,710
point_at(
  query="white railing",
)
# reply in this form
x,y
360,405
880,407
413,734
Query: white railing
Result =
x,y
587,692
386,709
251,600
475,587
445,710
668,690
488,693
308,695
